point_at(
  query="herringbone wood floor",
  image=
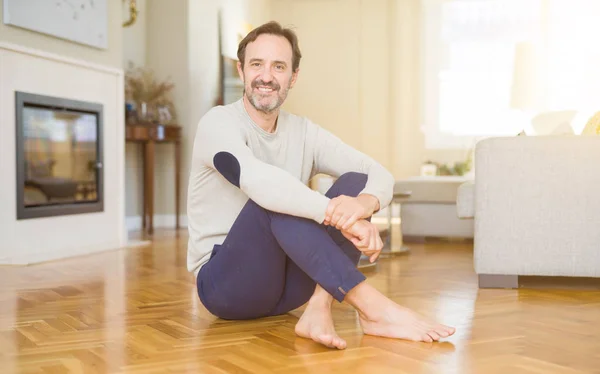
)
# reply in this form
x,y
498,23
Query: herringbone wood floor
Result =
x,y
136,311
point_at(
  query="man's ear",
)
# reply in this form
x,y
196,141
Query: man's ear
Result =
x,y
240,70
294,78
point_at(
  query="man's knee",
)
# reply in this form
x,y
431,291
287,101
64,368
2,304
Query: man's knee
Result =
x,y
349,184
252,212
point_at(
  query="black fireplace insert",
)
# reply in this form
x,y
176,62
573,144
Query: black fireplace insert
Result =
x,y
59,156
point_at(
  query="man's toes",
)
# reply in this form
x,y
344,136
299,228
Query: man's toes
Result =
x,y
339,342
326,340
447,331
426,338
442,332
434,335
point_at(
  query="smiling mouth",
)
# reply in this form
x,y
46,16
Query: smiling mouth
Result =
x,y
265,89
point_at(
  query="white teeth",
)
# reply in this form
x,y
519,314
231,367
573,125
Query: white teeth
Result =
x,y
262,89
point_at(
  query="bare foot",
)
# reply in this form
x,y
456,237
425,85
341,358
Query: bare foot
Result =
x,y
398,322
316,323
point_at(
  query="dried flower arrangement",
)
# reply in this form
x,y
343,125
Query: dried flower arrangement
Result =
x,y
144,91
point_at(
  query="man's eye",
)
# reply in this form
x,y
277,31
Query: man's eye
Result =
x,y
255,64
279,67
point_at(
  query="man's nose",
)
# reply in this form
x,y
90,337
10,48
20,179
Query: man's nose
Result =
x,y
266,75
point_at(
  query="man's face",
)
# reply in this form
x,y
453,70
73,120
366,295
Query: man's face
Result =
x,y
267,72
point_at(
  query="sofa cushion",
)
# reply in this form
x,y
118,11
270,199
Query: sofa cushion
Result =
x,y
465,200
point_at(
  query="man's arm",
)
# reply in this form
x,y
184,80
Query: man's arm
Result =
x,y
334,157
220,145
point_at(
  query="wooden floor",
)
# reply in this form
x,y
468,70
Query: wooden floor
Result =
x,y
136,311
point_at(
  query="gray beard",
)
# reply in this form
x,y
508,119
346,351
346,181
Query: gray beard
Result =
x,y
255,101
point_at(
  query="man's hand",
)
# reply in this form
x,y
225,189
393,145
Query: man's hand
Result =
x,y
365,236
344,211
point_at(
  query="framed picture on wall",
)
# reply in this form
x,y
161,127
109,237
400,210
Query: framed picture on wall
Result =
x,y
79,21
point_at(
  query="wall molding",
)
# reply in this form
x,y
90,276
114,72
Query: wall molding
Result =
x,y
66,253
134,223
58,58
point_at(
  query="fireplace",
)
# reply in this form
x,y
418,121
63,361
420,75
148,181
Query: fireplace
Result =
x,y
59,156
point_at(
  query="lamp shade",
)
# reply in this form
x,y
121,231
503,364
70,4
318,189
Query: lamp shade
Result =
x,y
525,93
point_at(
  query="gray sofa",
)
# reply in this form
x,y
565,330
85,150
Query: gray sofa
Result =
x,y
535,202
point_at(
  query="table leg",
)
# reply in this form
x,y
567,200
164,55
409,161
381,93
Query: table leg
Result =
x,y
389,250
177,180
144,185
389,219
150,184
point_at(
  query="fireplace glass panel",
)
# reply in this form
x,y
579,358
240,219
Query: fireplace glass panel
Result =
x,y
60,157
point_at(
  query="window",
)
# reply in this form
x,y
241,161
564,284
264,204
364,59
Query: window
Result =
x,y
489,66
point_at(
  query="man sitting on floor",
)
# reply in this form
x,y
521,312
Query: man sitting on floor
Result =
x,y
262,243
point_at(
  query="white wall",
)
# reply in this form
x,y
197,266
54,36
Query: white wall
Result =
x,y
237,16
167,54
344,82
40,239
134,55
409,151
134,36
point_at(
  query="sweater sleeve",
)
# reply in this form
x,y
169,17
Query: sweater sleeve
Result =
x,y
334,157
220,144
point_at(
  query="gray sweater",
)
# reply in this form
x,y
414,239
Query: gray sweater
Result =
x,y
274,171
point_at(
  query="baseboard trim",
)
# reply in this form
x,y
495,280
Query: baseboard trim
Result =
x,y
42,257
498,281
541,282
134,223
421,239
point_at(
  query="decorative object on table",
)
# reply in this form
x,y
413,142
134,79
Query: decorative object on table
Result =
x,y
164,114
150,98
459,168
80,21
429,169
553,123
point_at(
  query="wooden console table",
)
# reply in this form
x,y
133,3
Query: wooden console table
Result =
x,y
148,135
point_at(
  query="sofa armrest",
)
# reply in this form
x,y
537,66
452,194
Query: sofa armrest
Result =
x,y
537,206
465,200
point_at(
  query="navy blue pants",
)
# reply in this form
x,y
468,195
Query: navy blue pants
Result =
x,y
270,263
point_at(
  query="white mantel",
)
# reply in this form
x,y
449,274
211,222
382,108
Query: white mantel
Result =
x,y
42,239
